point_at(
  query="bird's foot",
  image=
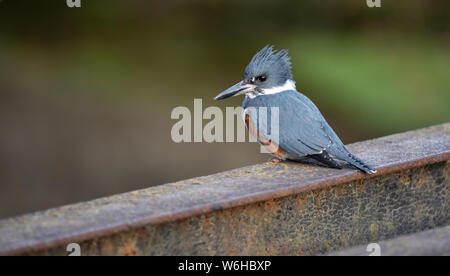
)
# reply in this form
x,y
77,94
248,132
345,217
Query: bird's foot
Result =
x,y
275,160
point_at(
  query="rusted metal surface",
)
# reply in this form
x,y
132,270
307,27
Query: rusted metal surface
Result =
x,y
267,209
435,242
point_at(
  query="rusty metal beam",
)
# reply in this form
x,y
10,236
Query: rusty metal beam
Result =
x,y
265,209
435,242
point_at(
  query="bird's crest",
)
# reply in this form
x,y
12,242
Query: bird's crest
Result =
x,y
269,60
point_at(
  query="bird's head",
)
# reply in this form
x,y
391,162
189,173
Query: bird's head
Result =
x,y
267,71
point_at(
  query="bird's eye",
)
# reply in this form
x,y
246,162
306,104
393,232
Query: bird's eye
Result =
x,y
262,78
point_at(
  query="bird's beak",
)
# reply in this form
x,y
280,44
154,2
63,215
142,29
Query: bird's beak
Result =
x,y
237,89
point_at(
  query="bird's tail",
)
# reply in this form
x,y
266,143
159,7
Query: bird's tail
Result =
x,y
355,161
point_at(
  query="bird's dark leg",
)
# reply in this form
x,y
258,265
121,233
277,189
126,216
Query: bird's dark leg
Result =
x,y
326,159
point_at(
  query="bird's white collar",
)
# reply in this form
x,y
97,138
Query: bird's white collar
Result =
x,y
288,85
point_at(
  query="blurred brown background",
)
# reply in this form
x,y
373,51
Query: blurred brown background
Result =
x,y
86,94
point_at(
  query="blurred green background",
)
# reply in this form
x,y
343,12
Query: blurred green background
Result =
x,y
86,94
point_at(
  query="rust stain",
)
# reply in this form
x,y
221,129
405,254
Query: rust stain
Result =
x,y
107,247
128,247
208,222
302,200
404,179
423,178
270,204
316,196
298,253
359,186
339,191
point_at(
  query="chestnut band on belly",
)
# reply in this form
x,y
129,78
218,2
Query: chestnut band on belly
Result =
x,y
271,147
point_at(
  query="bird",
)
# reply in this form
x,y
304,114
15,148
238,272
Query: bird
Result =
x,y
303,131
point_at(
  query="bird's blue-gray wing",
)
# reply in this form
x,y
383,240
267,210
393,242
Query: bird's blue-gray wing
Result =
x,y
302,128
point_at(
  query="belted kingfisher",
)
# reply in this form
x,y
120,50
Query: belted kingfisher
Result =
x,y
303,131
